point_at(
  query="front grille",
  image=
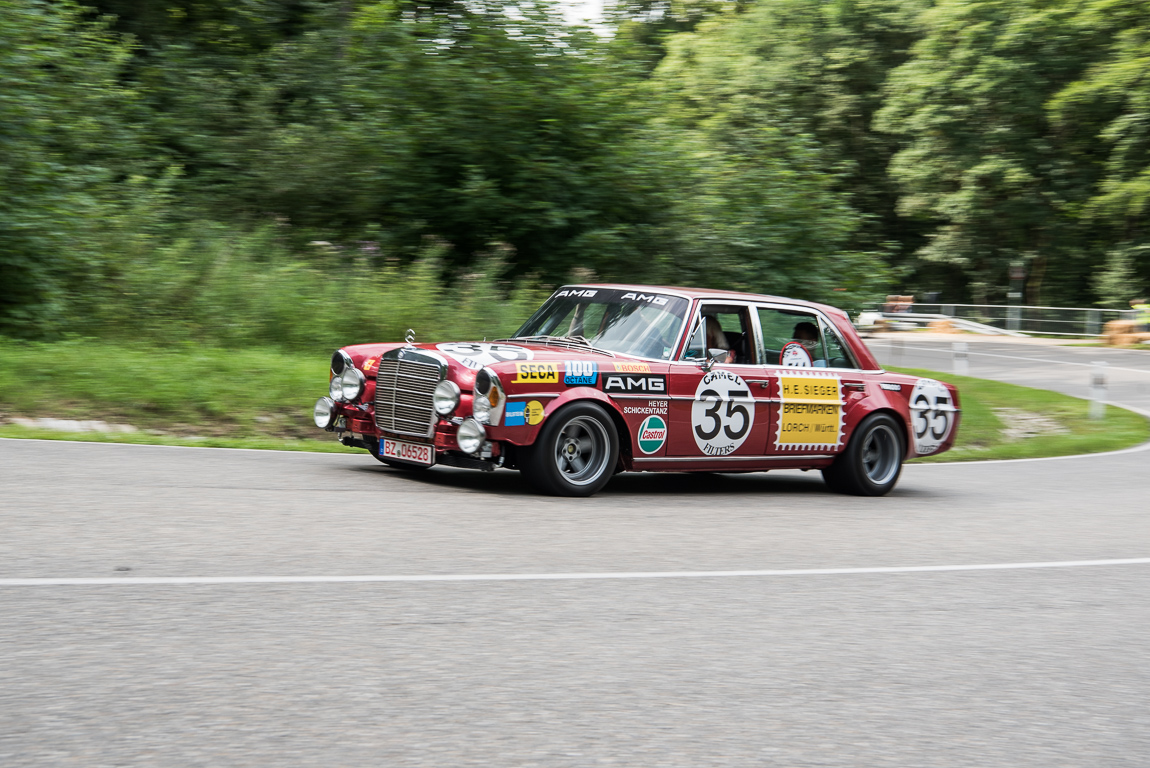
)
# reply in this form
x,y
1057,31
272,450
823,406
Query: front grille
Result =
x,y
403,397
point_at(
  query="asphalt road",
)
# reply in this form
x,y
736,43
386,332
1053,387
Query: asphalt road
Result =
x,y
1001,667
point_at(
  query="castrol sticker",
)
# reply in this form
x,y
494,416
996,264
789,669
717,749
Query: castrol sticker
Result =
x,y
722,414
652,434
795,355
931,415
811,412
475,355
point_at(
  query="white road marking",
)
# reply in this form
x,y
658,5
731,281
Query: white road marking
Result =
x,y
180,580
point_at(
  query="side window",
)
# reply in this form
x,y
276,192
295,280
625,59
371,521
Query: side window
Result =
x,y
723,327
838,355
791,338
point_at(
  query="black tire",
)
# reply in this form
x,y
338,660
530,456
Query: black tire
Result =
x,y
872,461
575,453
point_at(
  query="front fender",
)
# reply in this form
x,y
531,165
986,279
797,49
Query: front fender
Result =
x,y
527,434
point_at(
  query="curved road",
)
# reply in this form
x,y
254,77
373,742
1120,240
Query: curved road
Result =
x,y
995,667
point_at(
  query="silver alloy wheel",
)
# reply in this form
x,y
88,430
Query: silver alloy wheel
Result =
x,y
880,454
582,450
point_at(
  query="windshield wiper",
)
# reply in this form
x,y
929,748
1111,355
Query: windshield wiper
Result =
x,y
562,341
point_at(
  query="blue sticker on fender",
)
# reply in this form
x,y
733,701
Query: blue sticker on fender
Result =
x,y
580,373
514,416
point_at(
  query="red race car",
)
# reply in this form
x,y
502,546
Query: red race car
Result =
x,y
611,378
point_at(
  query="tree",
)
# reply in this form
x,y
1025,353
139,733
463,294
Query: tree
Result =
x,y
64,141
1110,105
819,69
981,157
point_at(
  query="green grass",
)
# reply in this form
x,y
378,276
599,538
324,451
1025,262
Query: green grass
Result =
x,y
181,395
262,398
980,434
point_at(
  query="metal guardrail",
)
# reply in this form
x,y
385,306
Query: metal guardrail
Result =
x,y
1044,321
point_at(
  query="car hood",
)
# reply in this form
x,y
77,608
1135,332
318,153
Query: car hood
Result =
x,y
465,358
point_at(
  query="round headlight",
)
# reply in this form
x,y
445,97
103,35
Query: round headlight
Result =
x,y
483,382
481,408
339,361
324,412
470,436
487,407
351,384
446,397
335,388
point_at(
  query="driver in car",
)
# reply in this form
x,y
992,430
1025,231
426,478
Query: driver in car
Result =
x,y
716,339
807,334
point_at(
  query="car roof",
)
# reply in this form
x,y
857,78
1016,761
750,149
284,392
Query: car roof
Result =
x,y
706,293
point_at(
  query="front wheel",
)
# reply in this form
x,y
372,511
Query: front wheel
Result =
x,y
872,461
575,453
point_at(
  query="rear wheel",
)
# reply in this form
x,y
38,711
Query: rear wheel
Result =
x,y
575,453
872,461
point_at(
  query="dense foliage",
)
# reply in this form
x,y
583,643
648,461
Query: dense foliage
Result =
x,y
303,172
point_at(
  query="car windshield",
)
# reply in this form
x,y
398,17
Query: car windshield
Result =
x,y
623,321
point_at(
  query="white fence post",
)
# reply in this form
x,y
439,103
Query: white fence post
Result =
x,y
1098,390
960,359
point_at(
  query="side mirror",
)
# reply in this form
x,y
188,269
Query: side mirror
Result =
x,y
714,355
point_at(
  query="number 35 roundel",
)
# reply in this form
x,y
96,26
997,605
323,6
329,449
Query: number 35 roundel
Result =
x,y
722,414
932,415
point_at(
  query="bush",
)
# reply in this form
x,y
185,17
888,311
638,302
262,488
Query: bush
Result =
x,y
230,288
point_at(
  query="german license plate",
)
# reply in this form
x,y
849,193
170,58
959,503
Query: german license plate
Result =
x,y
415,453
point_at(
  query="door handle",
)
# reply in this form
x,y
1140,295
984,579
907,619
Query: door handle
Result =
x,y
859,385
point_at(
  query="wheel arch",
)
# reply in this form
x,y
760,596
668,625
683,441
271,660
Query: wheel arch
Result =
x,y
585,394
900,418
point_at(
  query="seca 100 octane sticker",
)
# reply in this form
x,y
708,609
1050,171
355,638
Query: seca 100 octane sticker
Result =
x,y
475,355
722,413
931,415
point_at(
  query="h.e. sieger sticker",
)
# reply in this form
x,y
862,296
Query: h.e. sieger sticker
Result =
x,y
811,412
931,415
722,414
475,355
